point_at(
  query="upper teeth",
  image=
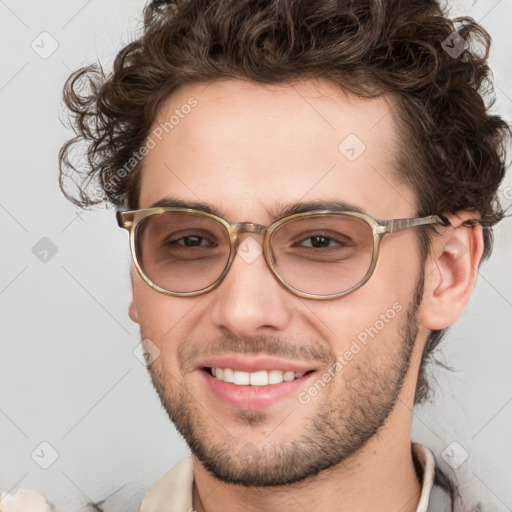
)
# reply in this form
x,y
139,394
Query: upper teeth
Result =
x,y
261,378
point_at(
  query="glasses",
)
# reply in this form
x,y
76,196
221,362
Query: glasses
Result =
x,y
321,254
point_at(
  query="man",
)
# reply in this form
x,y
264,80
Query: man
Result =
x,y
309,189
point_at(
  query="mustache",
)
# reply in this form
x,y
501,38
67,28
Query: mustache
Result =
x,y
259,345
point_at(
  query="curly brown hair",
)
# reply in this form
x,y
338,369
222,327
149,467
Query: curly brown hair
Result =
x,y
451,151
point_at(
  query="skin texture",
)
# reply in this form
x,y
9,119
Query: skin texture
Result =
x,y
246,149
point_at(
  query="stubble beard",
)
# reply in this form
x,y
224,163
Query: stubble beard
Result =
x,y
341,427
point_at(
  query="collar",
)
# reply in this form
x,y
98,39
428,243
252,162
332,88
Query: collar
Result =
x,y
173,492
426,461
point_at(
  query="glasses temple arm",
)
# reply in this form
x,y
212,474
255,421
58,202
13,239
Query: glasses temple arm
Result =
x,y
395,225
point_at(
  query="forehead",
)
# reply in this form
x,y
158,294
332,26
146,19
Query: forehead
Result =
x,y
244,148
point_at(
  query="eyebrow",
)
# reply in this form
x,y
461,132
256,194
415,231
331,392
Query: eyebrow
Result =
x,y
276,212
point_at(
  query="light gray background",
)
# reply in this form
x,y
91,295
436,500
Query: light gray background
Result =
x,y
68,373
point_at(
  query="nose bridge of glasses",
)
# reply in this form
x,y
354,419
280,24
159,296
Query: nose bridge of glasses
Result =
x,y
247,227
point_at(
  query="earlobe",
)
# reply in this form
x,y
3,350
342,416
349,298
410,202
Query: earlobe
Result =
x,y
132,311
450,273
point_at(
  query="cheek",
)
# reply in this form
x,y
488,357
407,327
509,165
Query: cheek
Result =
x,y
380,302
162,318
398,268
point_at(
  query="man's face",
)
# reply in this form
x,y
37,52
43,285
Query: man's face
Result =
x,y
246,149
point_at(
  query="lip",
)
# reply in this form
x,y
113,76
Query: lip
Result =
x,y
255,364
253,398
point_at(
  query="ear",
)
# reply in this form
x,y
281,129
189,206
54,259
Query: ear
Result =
x,y
132,308
132,311
451,272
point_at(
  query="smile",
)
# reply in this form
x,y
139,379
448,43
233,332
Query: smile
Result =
x,y
259,378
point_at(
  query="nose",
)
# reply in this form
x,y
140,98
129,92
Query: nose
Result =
x,y
250,300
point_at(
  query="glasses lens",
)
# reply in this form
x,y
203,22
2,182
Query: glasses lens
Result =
x,y
181,252
323,255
